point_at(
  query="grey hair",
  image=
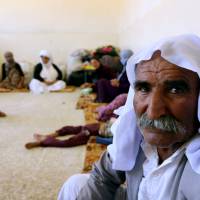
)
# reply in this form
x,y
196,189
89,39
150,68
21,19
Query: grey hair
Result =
x,y
165,123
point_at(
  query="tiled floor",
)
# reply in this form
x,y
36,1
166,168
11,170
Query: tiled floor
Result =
x,y
39,173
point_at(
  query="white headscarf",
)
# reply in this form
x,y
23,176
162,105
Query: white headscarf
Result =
x,y
48,72
181,50
45,53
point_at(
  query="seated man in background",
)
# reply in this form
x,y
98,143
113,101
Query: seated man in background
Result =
x,y
12,75
47,76
156,141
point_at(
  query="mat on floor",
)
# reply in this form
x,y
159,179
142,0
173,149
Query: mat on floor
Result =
x,y
84,101
25,90
93,150
93,153
90,112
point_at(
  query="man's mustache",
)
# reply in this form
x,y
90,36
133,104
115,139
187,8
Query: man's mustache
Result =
x,y
165,123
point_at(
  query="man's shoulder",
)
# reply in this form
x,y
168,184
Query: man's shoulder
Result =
x,y
189,173
190,182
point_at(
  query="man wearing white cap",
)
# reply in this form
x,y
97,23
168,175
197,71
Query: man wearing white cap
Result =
x,y
156,147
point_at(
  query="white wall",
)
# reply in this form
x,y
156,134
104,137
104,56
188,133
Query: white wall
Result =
x,y
27,26
61,26
145,21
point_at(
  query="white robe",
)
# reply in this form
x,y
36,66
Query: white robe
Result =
x,y
38,87
49,74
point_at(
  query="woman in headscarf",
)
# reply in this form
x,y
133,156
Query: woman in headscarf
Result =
x,y
47,76
12,75
107,90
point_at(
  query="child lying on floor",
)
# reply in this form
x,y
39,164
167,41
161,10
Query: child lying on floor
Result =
x,y
81,136
81,133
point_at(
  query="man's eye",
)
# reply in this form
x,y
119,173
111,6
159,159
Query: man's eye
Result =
x,y
177,87
143,89
177,90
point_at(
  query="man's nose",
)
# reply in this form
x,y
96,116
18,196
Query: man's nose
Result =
x,y
156,106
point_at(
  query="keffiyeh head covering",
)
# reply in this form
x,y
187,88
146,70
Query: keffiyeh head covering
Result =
x,y
183,51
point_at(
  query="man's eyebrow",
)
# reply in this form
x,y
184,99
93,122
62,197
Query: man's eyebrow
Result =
x,y
181,83
141,84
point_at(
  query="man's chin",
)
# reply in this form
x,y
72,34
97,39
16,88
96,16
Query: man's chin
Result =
x,y
158,138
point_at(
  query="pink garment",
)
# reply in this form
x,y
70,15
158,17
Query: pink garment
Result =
x,y
106,112
81,135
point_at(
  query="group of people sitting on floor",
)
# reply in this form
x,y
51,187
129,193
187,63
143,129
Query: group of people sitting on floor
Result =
x,y
109,89
110,86
47,76
101,79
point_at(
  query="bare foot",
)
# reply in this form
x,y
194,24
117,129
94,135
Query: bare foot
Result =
x,y
39,138
32,145
2,114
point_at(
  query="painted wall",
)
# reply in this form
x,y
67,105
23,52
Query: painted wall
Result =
x,y
61,26
145,21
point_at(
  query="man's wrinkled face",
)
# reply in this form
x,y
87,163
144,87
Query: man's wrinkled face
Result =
x,y
165,102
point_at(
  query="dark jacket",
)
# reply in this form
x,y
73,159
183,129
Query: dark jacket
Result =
x,y
38,69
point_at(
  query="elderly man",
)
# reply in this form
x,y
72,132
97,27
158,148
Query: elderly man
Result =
x,y
156,148
12,74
